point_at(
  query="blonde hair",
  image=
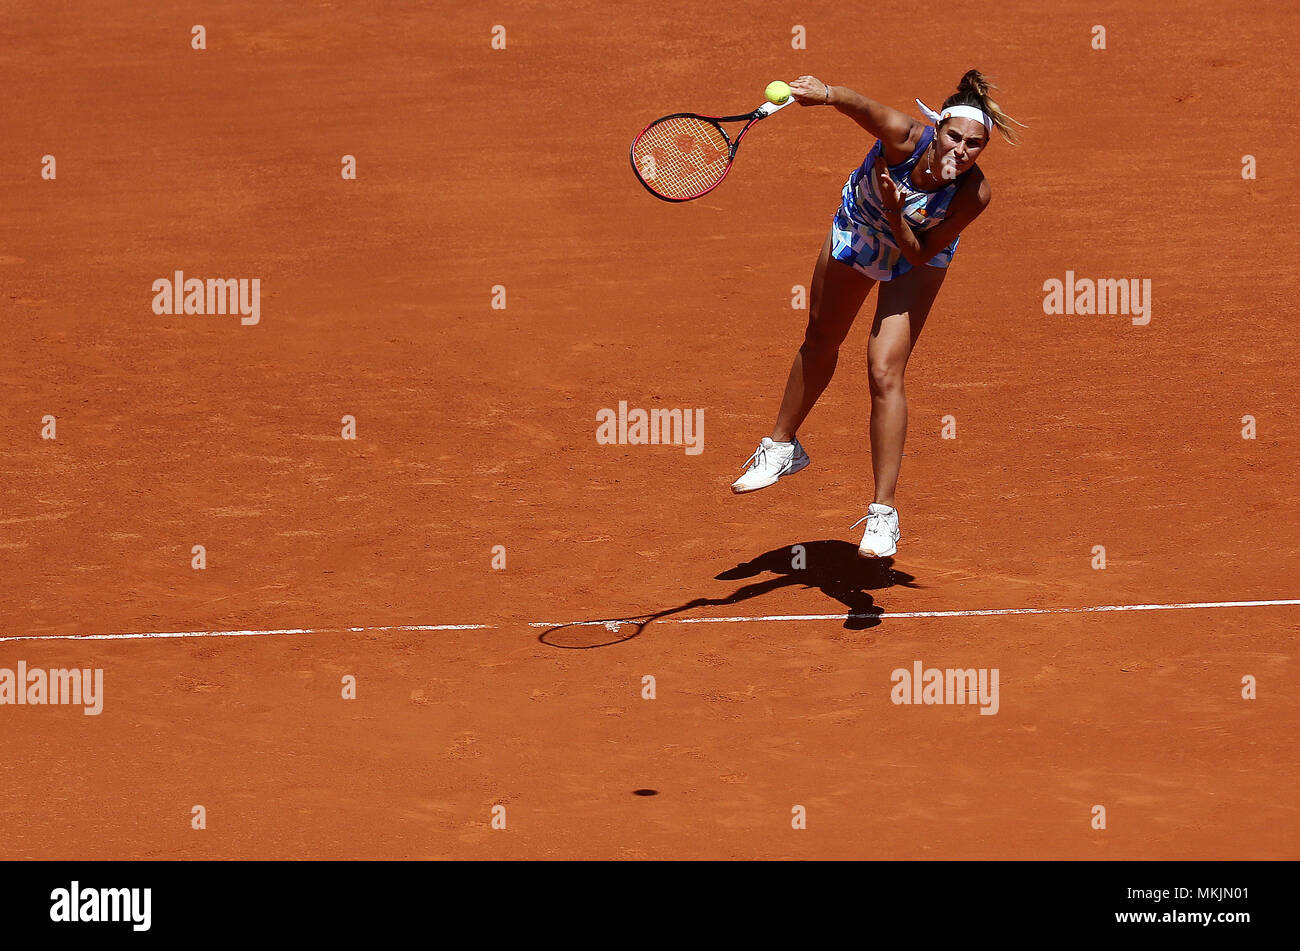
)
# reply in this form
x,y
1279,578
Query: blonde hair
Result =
x,y
973,90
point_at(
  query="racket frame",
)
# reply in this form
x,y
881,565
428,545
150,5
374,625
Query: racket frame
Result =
x,y
762,112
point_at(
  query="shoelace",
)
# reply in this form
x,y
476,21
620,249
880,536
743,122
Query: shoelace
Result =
x,y
880,527
760,454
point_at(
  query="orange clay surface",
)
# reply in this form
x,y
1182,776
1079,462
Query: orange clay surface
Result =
x,y
476,428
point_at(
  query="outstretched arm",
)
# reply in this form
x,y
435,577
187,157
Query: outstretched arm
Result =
x,y
890,126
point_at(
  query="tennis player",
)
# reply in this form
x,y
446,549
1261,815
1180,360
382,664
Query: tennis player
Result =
x,y
898,224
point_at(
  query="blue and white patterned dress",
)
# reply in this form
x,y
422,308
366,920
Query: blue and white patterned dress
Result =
x,y
860,234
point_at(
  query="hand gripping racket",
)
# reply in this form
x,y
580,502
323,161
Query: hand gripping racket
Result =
x,y
684,156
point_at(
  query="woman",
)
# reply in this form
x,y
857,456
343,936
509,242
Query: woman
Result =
x,y
898,224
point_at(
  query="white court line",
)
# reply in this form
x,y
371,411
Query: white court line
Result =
x,y
680,620
426,627
917,614
293,630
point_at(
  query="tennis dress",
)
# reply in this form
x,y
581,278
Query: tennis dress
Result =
x,y
860,234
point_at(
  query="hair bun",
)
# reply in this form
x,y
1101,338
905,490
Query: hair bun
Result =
x,y
973,90
974,82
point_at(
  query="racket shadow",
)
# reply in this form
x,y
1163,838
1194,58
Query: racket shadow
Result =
x,y
831,566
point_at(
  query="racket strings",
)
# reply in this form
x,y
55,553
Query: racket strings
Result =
x,y
682,156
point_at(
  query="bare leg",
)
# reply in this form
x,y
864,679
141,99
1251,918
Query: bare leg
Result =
x,y
901,309
836,297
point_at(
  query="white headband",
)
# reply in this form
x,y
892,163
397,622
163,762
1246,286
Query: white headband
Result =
x,y
957,112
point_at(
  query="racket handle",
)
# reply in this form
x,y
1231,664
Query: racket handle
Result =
x,y
767,108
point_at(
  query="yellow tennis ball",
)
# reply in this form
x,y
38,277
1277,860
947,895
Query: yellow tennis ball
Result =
x,y
777,92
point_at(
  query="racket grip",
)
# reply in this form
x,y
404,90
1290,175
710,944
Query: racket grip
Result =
x,y
767,108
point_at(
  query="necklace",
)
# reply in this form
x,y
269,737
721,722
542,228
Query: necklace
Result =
x,y
929,164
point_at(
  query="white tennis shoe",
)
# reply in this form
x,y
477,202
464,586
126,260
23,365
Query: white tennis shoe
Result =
x,y
770,461
880,540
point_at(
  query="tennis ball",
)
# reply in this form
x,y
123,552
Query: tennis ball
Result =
x,y
777,92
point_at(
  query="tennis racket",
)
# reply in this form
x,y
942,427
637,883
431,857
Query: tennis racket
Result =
x,y
684,156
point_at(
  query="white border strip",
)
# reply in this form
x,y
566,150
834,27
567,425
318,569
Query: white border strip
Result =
x,y
681,620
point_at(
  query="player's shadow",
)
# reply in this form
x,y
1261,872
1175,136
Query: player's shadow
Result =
x,y
832,566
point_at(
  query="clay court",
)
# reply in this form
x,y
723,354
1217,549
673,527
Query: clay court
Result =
x,y
372,558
